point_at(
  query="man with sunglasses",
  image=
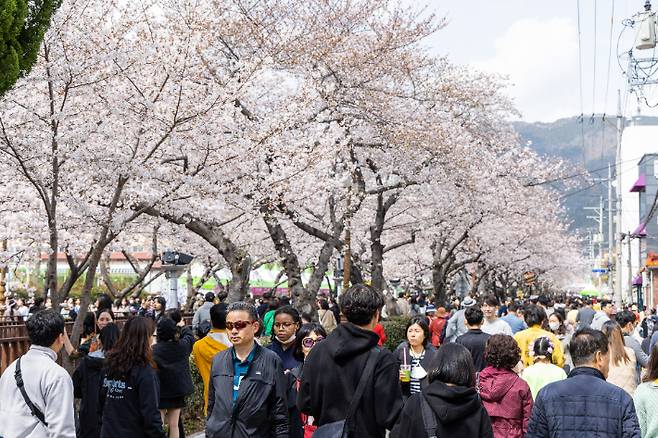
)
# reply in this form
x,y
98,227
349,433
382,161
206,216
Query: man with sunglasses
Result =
x,y
335,366
247,388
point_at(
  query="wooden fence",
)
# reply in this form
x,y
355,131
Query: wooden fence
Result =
x,y
14,341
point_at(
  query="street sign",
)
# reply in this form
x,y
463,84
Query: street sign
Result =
x,y
600,270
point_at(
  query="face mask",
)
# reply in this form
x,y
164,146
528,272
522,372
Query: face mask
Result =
x,y
554,325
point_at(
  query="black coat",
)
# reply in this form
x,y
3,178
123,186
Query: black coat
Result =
x,y
430,352
261,408
476,342
296,425
332,372
86,385
458,410
173,360
129,405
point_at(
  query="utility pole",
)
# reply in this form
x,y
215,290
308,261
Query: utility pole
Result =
x,y
611,234
597,258
618,236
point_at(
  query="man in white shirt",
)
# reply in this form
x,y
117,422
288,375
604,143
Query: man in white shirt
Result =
x,y
492,324
47,386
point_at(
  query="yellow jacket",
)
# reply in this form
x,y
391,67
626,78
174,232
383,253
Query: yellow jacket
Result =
x,y
525,339
203,352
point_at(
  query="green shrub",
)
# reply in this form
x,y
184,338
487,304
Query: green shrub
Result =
x,y
193,417
395,329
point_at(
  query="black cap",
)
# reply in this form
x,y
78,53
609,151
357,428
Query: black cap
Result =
x,y
210,296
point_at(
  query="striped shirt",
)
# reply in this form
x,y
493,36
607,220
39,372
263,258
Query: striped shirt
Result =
x,y
415,362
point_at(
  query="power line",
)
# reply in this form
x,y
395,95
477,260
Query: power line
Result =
x,y
607,80
580,79
607,77
592,185
576,175
594,67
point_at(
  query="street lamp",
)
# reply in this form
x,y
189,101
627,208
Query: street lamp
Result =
x,y
173,264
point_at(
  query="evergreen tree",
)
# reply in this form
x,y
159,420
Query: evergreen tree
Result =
x,y
23,24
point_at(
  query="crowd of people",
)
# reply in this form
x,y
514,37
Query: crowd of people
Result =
x,y
471,368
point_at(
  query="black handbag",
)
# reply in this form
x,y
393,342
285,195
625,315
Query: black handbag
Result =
x,y
341,428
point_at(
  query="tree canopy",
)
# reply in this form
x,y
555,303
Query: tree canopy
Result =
x,y
23,24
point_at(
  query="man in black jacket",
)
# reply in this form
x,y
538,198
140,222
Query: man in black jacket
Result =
x,y
334,367
247,388
475,340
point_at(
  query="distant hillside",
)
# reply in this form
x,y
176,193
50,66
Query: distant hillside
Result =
x,y
590,144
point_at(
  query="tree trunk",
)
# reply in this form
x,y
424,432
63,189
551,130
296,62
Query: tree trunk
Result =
x,y
240,271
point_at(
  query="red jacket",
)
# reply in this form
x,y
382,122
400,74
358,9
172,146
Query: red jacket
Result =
x,y
379,329
508,401
436,327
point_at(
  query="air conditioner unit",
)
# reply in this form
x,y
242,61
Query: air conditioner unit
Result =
x,y
646,31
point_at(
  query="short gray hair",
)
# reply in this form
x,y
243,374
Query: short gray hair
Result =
x,y
241,306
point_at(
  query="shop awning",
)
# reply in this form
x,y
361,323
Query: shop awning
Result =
x,y
640,184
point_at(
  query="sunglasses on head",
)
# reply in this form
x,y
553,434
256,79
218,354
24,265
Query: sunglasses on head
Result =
x,y
239,325
309,342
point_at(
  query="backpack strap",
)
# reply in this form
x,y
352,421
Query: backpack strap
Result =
x,y
371,361
18,375
429,419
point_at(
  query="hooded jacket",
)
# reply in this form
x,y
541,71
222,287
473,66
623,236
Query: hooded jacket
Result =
x,y
458,411
508,401
172,358
583,405
86,384
129,405
332,372
261,410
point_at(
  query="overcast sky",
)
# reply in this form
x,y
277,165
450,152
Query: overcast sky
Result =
x,y
535,43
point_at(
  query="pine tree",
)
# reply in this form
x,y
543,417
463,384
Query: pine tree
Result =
x,y
23,24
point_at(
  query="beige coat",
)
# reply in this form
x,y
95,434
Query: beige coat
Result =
x,y
327,320
624,375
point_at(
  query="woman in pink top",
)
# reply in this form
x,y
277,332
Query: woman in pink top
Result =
x,y
505,396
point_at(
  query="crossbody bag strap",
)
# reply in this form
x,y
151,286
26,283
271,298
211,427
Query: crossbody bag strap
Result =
x,y
18,375
371,361
429,419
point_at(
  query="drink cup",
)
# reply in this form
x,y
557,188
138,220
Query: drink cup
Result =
x,y
405,373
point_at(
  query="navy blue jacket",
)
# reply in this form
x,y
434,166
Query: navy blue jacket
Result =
x,y
286,356
583,405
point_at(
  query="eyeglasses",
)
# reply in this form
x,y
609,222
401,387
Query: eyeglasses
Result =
x,y
310,342
283,324
239,325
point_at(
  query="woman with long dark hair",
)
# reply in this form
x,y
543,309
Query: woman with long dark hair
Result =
x,y
286,324
91,327
87,380
130,391
646,397
450,402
